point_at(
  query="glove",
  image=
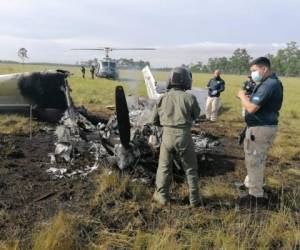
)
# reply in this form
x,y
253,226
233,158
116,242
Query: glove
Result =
x,y
214,92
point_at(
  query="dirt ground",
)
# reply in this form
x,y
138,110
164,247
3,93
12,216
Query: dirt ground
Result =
x,y
28,194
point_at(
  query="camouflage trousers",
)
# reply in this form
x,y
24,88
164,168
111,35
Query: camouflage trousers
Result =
x,y
257,142
177,141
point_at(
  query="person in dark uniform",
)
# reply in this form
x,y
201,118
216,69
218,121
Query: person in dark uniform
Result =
x,y
83,71
262,111
92,70
215,86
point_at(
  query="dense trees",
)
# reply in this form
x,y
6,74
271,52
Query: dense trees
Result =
x,y
238,63
131,64
286,62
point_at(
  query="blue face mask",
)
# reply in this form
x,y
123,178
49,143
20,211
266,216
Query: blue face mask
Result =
x,y
256,77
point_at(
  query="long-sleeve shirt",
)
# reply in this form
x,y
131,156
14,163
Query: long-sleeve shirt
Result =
x,y
215,86
176,109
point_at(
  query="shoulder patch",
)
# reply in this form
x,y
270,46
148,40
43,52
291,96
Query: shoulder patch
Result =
x,y
255,98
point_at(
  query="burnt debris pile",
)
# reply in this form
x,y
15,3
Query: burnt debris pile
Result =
x,y
84,141
83,146
78,146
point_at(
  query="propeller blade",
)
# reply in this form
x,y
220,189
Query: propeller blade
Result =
x,y
122,116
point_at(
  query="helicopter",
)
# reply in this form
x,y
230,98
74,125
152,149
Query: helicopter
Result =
x,y
107,67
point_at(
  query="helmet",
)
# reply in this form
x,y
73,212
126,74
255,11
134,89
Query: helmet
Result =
x,y
180,77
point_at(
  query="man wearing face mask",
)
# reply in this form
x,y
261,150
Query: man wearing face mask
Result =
x,y
262,111
216,85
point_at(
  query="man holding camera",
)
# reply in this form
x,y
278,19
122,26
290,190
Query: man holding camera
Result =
x,y
216,85
262,111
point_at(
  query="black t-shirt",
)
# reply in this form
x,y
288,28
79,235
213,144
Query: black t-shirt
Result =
x,y
268,96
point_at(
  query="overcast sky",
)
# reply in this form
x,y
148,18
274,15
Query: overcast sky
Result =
x,y
183,31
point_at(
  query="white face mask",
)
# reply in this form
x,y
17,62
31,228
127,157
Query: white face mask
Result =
x,y
256,77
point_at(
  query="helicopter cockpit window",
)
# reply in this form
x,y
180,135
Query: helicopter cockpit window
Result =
x,y
105,64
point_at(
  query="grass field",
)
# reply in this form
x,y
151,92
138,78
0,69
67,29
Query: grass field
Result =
x,y
142,226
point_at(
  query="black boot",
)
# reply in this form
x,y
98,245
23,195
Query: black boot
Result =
x,y
241,186
251,201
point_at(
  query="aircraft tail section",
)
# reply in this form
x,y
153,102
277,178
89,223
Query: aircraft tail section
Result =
x,y
150,84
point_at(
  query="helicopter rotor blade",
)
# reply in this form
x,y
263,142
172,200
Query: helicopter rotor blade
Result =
x,y
89,49
111,49
133,48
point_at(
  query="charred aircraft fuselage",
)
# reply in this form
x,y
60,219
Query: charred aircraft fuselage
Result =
x,y
44,91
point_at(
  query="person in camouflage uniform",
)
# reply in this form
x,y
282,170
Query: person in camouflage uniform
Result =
x,y
175,112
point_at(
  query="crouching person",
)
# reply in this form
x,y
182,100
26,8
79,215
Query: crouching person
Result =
x,y
175,112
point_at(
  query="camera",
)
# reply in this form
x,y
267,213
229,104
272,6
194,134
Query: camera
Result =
x,y
249,86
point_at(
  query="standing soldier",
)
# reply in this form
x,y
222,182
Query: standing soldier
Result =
x,y
262,111
93,71
175,112
216,85
83,71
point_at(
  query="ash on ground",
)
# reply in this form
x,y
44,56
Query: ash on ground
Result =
x,y
81,146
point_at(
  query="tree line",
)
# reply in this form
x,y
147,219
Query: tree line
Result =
x,y
124,63
285,62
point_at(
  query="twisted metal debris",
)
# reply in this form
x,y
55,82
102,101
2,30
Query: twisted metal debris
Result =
x,y
82,147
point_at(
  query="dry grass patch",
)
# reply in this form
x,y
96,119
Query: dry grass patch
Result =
x,y
58,234
217,189
280,232
12,245
16,124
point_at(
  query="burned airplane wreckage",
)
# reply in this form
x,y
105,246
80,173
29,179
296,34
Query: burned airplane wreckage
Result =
x,y
45,92
83,141
125,140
